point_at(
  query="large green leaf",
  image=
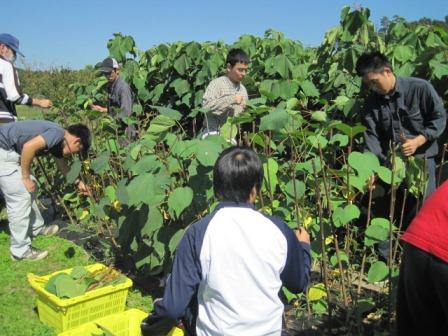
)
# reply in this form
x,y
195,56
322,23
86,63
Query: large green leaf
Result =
x,y
207,151
181,64
175,239
153,223
181,86
168,112
270,179
377,272
299,189
179,200
283,66
160,124
276,120
309,89
365,163
342,216
148,189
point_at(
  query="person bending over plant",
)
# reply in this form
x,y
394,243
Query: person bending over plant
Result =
x,y
20,142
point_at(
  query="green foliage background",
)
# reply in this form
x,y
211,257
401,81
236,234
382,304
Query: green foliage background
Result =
x,y
302,119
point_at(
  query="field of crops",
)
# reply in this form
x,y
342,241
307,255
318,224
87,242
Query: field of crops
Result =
x,y
303,119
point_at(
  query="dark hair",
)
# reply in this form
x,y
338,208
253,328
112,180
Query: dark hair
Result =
x,y
236,172
237,56
83,133
372,62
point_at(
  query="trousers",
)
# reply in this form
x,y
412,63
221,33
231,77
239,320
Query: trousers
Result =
x,y
24,217
422,298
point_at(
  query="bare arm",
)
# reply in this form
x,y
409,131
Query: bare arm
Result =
x,y
30,148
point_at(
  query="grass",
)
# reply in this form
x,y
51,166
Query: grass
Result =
x,y
18,315
25,112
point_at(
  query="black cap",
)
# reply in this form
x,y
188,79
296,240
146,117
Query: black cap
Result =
x,y
109,64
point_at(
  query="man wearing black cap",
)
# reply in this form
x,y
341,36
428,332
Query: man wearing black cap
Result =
x,y
20,142
120,94
10,89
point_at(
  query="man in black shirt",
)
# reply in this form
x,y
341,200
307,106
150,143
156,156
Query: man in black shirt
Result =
x,y
403,110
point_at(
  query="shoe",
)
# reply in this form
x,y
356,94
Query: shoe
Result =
x,y
32,254
49,230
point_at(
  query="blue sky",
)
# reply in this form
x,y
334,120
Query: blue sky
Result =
x,y
74,33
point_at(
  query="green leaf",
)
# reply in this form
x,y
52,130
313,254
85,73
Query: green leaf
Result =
x,y
342,216
283,66
349,130
439,69
342,139
159,125
181,86
270,179
317,292
110,192
317,141
299,187
153,223
309,89
179,200
340,101
403,53
207,151
377,272
276,120
168,112
289,296
181,64
175,239
101,163
364,163
74,171
319,116
148,163
147,188
385,174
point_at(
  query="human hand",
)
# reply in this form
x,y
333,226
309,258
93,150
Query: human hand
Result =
x,y
98,108
302,235
409,146
84,189
44,103
29,184
239,99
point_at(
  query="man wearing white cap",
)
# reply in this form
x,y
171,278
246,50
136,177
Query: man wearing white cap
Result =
x,y
120,95
10,89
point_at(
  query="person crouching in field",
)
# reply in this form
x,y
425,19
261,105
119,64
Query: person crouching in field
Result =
x,y
422,303
20,142
225,96
230,266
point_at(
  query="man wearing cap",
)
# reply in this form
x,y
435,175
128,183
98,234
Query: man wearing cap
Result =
x,y
10,89
20,142
120,94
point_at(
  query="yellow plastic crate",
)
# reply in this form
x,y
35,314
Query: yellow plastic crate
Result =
x,y
64,314
120,324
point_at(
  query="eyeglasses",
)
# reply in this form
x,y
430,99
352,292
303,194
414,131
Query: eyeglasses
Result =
x,y
107,73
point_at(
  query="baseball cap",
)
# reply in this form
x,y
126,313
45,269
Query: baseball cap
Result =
x,y
109,64
12,42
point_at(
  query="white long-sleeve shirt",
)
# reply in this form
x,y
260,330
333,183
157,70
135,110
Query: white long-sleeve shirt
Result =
x,y
10,92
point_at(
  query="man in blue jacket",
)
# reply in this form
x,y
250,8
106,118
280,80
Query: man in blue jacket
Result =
x,y
230,265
